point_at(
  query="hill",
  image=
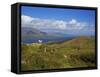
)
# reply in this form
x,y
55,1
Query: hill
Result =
x,y
29,35
78,52
29,32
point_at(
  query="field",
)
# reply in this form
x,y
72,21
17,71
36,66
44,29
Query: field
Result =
x,y
78,52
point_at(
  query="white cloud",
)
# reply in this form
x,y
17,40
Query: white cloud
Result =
x,y
73,24
73,21
26,20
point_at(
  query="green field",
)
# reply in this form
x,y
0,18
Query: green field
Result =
x,y
78,52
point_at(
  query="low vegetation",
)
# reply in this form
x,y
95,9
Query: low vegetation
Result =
x,y
78,52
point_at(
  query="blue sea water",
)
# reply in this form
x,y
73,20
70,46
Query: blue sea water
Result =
x,y
34,40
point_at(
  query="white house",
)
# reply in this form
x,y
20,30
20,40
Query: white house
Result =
x,y
40,41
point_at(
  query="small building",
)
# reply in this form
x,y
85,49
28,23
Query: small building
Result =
x,y
40,41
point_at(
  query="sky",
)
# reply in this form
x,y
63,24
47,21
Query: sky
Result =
x,y
56,20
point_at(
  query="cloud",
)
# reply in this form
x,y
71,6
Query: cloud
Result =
x,y
26,20
73,21
73,24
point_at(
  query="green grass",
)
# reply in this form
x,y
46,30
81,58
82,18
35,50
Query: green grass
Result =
x,y
78,52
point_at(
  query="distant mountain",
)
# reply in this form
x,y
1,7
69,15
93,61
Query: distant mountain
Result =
x,y
30,35
31,31
35,33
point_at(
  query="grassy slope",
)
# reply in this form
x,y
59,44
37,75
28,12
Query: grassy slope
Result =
x,y
78,52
